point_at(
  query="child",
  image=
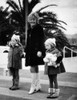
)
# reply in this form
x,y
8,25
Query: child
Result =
x,y
53,66
14,60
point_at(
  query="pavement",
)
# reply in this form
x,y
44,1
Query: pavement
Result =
x,y
67,84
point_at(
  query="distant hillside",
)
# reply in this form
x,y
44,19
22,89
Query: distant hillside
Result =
x,y
72,40
71,36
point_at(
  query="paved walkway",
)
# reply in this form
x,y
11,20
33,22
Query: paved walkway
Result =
x,y
67,84
67,93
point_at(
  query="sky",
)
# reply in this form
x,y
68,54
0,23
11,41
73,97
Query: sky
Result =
x,y
2,2
66,11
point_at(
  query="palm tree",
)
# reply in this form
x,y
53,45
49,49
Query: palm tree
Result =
x,y
48,20
53,26
5,28
17,15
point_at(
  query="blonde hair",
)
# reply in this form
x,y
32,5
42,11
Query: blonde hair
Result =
x,y
50,41
32,17
15,37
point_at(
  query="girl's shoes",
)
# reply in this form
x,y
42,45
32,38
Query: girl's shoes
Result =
x,y
56,94
49,95
10,87
51,91
53,94
14,88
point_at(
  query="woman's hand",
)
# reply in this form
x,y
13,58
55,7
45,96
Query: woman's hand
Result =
x,y
39,53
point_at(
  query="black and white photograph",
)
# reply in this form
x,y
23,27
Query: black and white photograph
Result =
x,y
38,49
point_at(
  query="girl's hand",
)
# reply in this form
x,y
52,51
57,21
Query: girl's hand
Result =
x,y
39,53
45,60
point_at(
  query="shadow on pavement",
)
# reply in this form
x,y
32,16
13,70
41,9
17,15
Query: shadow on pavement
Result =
x,y
5,97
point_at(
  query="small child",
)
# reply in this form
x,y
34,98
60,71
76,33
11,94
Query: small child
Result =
x,y
53,66
14,60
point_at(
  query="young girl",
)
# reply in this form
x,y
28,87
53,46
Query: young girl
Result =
x,y
53,66
14,60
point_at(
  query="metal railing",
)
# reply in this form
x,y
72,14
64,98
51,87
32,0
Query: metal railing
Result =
x,y
64,51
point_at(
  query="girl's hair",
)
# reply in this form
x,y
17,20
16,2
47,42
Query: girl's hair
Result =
x,y
51,41
15,37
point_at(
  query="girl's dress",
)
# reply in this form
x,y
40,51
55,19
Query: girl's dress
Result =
x,y
14,56
56,68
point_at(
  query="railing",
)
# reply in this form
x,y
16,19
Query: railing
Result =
x,y
64,51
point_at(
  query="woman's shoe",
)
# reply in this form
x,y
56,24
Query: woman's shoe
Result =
x,y
38,90
38,87
49,95
37,83
32,90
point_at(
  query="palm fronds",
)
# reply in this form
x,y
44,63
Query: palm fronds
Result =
x,y
20,6
17,15
32,4
53,28
13,5
61,39
45,7
49,20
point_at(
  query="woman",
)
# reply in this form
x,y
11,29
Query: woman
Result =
x,y
34,50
